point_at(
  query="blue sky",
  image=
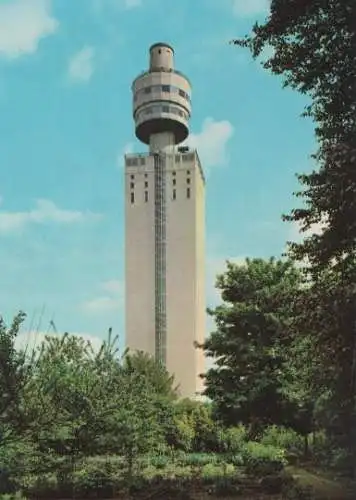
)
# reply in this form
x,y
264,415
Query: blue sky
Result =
x,y
65,116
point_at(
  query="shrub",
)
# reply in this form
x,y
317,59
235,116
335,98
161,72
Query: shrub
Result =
x,y
231,440
236,460
197,459
159,461
263,459
15,496
209,473
96,476
284,438
325,453
40,485
184,433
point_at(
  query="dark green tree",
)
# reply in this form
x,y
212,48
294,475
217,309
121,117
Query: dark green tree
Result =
x,y
14,372
314,49
251,341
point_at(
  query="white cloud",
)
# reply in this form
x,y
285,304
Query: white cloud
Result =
x,y
44,211
32,340
23,23
112,301
212,142
214,267
81,65
296,233
102,304
250,8
126,150
112,286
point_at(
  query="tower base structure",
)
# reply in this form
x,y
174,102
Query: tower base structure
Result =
x,y
165,248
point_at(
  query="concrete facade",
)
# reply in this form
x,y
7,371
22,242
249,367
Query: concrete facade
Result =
x,y
165,229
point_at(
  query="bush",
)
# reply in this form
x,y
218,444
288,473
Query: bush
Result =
x,y
263,459
209,473
159,461
15,496
40,485
325,453
197,459
99,476
284,438
236,460
231,440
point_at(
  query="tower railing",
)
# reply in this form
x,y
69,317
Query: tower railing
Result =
x,y
161,70
145,155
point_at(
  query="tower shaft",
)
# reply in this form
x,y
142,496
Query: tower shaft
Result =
x,y
164,227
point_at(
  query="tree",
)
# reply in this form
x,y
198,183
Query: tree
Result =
x,y
156,373
195,430
327,312
96,403
250,343
16,370
314,49
314,45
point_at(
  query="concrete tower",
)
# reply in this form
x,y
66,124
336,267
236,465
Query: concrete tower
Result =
x,y
164,210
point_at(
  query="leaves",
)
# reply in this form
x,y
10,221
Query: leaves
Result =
x,y
314,44
253,331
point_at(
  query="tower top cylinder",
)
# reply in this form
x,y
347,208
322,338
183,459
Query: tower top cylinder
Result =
x,y
161,57
161,100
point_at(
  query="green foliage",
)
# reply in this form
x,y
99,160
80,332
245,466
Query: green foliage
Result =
x,y
74,402
286,439
14,375
156,374
184,432
263,459
99,477
250,342
97,422
232,439
15,496
159,461
314,49
198,459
